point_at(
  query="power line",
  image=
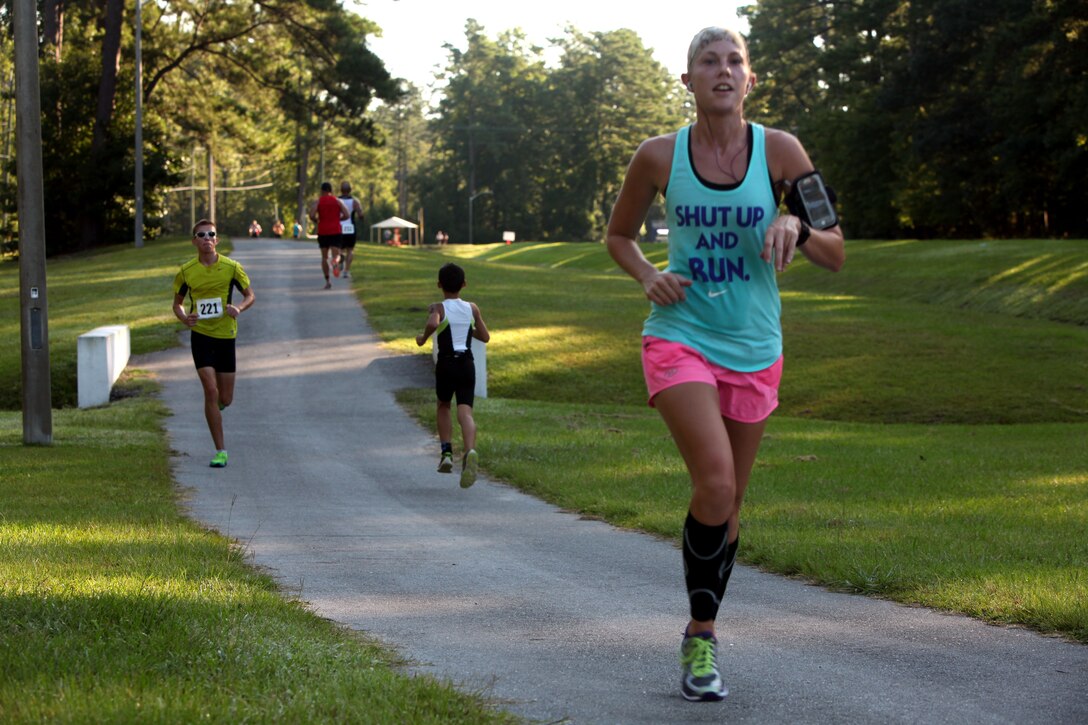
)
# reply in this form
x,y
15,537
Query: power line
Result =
x,y
219,188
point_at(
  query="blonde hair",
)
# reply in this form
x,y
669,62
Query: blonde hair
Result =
x,y
204,223
713,34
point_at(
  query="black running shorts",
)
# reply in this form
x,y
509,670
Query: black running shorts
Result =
x,y
213,352
455,376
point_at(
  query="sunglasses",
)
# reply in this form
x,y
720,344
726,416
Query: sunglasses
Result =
x,y
206,235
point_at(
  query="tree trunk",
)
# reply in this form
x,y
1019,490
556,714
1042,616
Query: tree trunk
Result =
x,y
53,26
111,62
93,224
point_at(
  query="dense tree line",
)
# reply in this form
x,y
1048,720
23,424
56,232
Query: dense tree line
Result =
x,y
237,94
936,117
542,149
931,117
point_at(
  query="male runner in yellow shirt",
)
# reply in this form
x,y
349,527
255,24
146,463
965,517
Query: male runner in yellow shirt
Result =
x,y
209,282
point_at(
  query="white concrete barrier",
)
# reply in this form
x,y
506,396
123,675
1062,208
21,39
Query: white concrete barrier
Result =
x,y
102,355
479,358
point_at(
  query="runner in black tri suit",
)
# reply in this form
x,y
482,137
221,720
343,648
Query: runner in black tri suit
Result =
x,y
456,323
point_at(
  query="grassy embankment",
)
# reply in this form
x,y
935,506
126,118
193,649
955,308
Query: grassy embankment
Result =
x,y
930,449
116,608
931,446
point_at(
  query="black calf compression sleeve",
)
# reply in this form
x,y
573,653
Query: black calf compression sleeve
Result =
x,y
705,563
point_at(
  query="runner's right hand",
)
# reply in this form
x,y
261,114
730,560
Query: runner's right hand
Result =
x,y
665,288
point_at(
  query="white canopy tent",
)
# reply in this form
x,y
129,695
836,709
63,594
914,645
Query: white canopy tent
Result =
x,y
394,223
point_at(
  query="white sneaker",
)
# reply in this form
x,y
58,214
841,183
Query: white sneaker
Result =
x,y
468,469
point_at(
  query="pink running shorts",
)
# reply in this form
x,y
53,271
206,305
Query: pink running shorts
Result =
x,y
745,397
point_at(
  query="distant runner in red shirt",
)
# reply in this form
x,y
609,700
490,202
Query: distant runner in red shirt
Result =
x,y
327,211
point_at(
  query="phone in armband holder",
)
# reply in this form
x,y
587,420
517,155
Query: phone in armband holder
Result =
x,y
812,200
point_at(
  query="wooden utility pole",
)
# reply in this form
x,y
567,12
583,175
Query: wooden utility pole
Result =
x,y
34,322
192,188
211,187
139,150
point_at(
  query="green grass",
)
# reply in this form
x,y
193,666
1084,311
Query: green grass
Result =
x,y
116,608
928,449
1042,279
570,332
113,286
1032,278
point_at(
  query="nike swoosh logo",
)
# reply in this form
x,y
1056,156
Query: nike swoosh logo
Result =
x,y
717,293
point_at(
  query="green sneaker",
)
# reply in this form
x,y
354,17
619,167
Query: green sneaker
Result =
x,y
446,464
701,681
219,460
468,469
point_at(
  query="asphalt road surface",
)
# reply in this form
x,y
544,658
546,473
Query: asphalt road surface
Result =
x,y
333,488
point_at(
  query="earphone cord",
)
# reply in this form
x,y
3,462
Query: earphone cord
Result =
x,y
729,172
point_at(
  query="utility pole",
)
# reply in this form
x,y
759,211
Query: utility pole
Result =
x,y
321,166
34,321
471,178
192,189
139,224
211,187
471,199
402,165
302,159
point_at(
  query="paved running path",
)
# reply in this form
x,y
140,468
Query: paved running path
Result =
x,y
332,487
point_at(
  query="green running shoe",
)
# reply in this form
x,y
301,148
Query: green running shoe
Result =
x,y
701,681
446,464
468,469
219,460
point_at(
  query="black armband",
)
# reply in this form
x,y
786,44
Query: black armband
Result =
x,y
812,201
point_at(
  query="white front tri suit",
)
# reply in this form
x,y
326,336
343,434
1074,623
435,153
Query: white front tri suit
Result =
x,y
455,370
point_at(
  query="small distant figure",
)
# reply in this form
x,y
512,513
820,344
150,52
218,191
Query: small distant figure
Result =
x,y
277,229
456,322
328,211
296,230
348,228
441,238
255,229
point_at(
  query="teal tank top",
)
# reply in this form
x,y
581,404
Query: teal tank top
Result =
x,y
732,311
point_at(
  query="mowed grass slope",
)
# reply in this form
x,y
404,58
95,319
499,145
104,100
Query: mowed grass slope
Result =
x,y
931,446
113,286
116,608
842,363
